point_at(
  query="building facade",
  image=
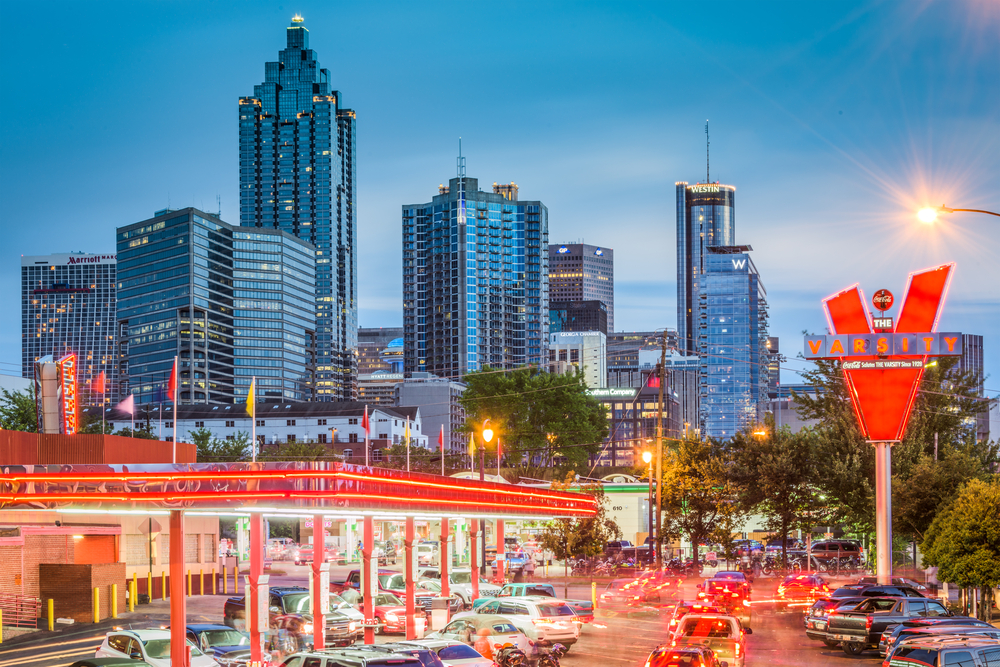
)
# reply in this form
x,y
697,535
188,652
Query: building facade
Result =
x,y
732,343
68,305
706,217
439,400
372,350
584,351
475,280
632,420
230,303
298,174
581,272
578,316
379,388
971,361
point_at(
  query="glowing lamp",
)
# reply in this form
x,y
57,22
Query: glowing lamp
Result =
x,y
647,457
927,215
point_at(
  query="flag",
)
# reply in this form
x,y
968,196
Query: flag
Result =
x,y
364,422
406,433
251,398
472,446
441,439
128,405
98,384
172,382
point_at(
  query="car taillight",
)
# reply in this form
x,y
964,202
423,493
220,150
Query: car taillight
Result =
x,y
868,623
736,595
737,649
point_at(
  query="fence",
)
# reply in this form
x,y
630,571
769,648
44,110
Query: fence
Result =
x,y
20,611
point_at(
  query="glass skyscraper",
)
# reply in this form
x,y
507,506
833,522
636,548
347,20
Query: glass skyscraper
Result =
x,y
230,302
581,272
68,306
706,217
475,280
297,174
731,342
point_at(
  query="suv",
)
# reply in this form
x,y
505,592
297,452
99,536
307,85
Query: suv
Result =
x,y
876,591
960,652
541,618
153,646
460,582
353,657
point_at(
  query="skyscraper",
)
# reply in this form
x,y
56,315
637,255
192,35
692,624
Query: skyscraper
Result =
x,y
581,272
68,304
232,303
475,280
297,174
706,217
731,342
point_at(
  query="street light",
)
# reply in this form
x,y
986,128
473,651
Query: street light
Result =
x,y
487,437
647,456
929,214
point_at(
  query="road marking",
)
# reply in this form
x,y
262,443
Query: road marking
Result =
x,y
42,658
34,647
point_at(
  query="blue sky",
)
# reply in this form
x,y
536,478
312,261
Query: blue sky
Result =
x,y
834,120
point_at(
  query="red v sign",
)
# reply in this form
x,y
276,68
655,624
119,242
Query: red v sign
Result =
x,y
883,397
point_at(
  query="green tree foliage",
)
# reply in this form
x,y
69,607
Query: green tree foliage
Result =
x,y
212,449
776,476
576,538
17,411
540,418
945,405
698,499
963,541
296,451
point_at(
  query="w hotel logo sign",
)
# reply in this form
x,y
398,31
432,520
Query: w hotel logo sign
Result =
x,y
882,363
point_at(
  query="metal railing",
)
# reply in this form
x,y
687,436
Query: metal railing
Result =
x,y
20,611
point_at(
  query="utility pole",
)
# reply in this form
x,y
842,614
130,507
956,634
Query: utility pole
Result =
x,y
659,450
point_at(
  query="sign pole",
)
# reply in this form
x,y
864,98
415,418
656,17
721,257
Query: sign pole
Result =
x,y
883,512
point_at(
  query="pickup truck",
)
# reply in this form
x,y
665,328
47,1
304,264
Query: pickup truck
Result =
x,y
388,581
290,609
460,582
721,633
861,628
584,609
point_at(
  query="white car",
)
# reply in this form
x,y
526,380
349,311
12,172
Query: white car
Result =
x,y
543,619
460,583
426,553
453,653
465,628
152,646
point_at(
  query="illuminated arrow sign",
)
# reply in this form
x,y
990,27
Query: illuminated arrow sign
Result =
x,y
883,370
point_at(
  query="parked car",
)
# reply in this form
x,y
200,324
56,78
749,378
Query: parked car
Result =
x,y
396,650
941,633
543,619
427,554
466,627
460,582
452,653
304,553
109,662
671,656
389,581
861,628
151,646
390,611
964,651
723,634
455,602
290,611
890,634
584,609
816,618
226,645
801,589
865,590
351,657
896,581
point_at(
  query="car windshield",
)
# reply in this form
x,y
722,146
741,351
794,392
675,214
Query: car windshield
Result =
x,y
504,629
160,648
459,652
224,638
461,577
731,576
296,603
337,602
555,610
706,627
387,599
670,658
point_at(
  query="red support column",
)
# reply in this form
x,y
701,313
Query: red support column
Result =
x,y
369,578
178,600
445,557
500,550
252,609
474,560
319,557
411,601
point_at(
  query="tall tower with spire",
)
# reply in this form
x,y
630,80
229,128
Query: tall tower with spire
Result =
x,y
475,279
298,174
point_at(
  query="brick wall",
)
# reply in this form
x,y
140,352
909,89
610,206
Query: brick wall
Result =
x,y
43,549
11,582
71,587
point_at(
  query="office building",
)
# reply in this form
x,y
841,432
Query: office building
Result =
x,y
578,316
971,361
583,351
784,406
439,400
378,350
774,360
298,174
706,217
581,272
231,303
623,354
732,342
68,305
475,280
379,387
632,422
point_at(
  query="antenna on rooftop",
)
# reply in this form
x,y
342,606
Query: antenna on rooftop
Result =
x,y
218,205
461,160
707,145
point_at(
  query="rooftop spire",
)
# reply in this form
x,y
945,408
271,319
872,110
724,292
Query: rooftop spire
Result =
x,y
461,160
708,178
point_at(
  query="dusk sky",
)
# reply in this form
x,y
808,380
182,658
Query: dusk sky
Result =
x,y
835,121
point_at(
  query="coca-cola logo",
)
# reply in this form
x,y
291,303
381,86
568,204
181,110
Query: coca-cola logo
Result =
x,y
882,299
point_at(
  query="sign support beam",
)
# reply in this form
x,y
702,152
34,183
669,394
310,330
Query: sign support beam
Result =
x,y
883,512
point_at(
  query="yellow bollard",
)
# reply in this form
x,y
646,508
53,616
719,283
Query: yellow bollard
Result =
x,y
215,583
1,626
132,590
225,582
189,582
593,594
52,615
163,585
236,579
149,586
97,605
201,581
114,600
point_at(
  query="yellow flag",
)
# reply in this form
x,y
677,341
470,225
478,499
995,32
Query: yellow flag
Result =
x,y
472,446
251,398
406,433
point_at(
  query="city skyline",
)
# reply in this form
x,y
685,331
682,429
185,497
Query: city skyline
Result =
x,y
831,145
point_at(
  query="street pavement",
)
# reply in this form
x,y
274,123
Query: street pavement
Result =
x,y
612,640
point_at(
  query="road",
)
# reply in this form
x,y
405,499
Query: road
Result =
x,y
777,639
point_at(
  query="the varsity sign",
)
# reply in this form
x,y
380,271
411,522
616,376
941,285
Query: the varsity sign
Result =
x,y
882,370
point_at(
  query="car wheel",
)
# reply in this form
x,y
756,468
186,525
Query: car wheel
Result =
x,y
377,629
831,643
853,648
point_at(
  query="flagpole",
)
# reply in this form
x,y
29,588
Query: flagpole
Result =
x,y
253,417
407,437
367,435
498,456
177,408
441,440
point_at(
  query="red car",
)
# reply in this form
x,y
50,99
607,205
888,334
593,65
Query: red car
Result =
x,y
304,554
801,590
390,611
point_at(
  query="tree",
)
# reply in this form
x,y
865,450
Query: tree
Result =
x,y
568,538
698,499
296,451
18,412
212,449
963,541
543,420
776,476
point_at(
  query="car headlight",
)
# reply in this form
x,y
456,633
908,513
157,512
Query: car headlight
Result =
x,y
391,616
307,628
352,626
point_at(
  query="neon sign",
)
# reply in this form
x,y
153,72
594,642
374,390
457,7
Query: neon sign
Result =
x,y
67,394
704,188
